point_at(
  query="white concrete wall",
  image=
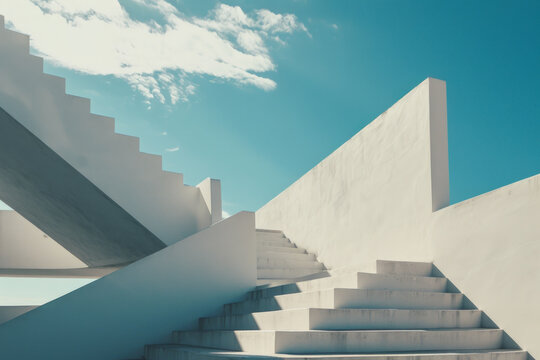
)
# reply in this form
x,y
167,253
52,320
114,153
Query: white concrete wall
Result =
x,y
157,199
364,201
115,316
211,193
384,195
489,247
24,246
10,312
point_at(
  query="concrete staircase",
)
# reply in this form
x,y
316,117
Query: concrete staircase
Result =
x,y
112,162
400,312
279,260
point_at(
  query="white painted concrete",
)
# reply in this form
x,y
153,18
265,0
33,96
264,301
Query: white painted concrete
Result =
x,y
278,259
364,201
489,247
86,141
23,246
176,352
50,193
113,317
211,193
345,319
10,312
350,298
313,342
382,195
331,321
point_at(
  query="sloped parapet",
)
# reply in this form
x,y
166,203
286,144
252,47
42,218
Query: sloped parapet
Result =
x,y
113,317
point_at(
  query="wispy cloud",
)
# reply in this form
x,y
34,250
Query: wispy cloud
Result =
x,y
173,149
164,133
335,26
157,57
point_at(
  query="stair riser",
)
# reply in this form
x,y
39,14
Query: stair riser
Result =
x,y
350,298
262,250
167,353
390,299
346,319
265,243
284,273
269,236
270,263
404,268
300,342
287,256
360,281
400,282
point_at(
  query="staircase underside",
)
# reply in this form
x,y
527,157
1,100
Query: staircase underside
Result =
x,y
46,190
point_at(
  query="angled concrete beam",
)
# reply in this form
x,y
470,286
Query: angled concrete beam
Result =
x,y
42,187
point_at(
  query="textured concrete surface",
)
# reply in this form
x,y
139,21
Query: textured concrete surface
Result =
x,y
24,246
383,195
365,200
50,193
113,317
157,199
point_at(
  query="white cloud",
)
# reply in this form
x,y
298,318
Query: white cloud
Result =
x,y
335,26
157,57
225,214
164,133
174,149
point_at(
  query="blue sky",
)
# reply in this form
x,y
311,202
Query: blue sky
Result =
x,y
297,79
336,67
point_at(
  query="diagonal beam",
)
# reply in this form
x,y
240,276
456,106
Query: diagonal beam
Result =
x,y
50,193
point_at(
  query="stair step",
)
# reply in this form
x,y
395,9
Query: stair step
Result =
x,y
265,262
288,256
104,122
340,298
313,342
285,273
173,178
281,243
177,352
274,242
262,249
345,319
152,162
36,60
357,281
404,267
269,235
82,103
263,231
16,40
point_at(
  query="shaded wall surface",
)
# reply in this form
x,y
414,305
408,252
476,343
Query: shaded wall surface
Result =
x,y
115,316
134,180
47,191
384,195
24,246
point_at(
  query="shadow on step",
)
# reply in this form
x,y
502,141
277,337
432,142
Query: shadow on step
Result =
x,y
487,322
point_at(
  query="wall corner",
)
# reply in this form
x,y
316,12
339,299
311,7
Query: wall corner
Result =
x,y
211,193
438,134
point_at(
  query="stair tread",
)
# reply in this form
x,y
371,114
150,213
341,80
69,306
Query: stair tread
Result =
x,y
404,354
